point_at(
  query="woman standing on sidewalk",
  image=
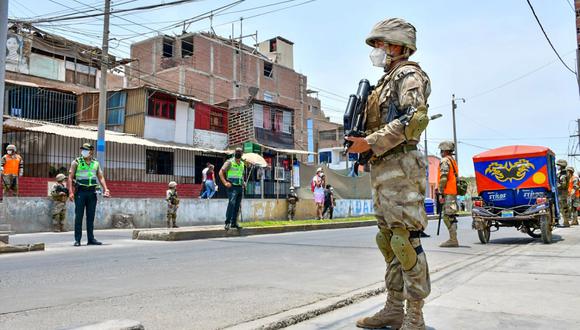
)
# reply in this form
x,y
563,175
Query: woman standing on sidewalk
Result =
x,y
209,184
319,181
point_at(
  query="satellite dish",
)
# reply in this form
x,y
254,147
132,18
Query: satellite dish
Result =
x,y
253,91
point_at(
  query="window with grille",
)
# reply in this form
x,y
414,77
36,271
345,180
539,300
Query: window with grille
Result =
x,y
159,162
217,122
161,106
268,70
327,135
167,47
187,47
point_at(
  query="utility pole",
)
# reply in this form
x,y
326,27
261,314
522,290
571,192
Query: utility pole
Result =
x,y
427,190
103,87
3,33
453,107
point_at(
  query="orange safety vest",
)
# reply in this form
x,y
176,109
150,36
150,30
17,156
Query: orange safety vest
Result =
x,y
571,186
12,165
451,186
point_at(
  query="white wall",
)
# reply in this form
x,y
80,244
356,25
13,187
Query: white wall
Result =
x,y
183,123
47,67
159,129
209,139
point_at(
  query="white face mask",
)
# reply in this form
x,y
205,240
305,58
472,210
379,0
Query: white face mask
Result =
x,y
85,153
9,152
379,57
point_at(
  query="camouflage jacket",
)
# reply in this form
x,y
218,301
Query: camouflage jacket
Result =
x,y
171,197
55,193
292,198
405,85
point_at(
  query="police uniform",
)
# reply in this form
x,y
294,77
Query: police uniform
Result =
x,y
563,182
447,176
12,166
234,170
292,199
398,179
59,195
85,176
573,196
172,205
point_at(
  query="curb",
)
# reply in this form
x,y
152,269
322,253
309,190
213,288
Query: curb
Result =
x,y
21,248
300,314
193,233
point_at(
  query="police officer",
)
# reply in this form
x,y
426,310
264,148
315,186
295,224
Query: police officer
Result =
x,y
232,176
563,182
396,116
12,167
59,194
573,196
172,204
448,187
84,175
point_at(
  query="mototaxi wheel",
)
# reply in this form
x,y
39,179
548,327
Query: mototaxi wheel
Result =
x,y
484,235
546,229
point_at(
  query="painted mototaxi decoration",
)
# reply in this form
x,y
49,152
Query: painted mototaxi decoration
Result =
x,y
517,188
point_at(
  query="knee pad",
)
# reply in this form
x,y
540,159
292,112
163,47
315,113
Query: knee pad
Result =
x,y
403,249
384,244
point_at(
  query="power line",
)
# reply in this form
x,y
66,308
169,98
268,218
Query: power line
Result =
x,y
57,19
547,38
569,3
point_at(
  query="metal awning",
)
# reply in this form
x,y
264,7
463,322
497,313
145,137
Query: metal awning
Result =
x,y
287,151
90,133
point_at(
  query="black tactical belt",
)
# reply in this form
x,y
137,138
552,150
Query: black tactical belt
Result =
x,y
415,234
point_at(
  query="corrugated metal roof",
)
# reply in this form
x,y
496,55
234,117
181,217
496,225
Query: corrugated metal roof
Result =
x,y
90,133
287,151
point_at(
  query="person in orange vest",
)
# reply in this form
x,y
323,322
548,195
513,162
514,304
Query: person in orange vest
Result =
x,y
573,195
448,188
12,167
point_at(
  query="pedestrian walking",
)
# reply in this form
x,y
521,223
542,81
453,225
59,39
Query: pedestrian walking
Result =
x,y
209,183
318,182
12,167
397,172
328,201
172,204
232,177
292,199
448,175
59,194
85,174
573,196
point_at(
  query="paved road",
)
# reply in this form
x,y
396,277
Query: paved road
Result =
x,y
205,284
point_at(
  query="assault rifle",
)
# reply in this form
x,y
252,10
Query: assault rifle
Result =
x,y
439,209
61,189
355,119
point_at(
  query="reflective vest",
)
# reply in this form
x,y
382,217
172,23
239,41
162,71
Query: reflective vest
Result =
x,y
573,180
451,186
86,174
12,164
236,173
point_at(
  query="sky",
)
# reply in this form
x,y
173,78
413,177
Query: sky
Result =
x,y
491,53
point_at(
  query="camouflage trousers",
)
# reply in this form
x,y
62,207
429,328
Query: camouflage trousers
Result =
x,y
10,185
450,210
171,216
398,186
291,211
573,209
58,216
563,206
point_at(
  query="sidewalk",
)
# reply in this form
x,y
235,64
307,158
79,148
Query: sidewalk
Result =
x,y
522,286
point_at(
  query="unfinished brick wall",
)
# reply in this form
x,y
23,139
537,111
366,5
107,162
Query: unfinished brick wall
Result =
x,y
241,125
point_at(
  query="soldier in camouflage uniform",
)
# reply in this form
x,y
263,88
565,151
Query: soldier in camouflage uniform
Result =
x,y
59,194
448,188
573,196
563,181
396,113
172,204
292,199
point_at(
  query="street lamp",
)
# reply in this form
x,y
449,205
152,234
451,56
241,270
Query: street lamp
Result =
x,y
453,107
427,190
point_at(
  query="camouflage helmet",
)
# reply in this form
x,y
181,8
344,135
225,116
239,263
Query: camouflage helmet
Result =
x,y
11,147
395,31
570,169
172,184
60,177
447,146
562,162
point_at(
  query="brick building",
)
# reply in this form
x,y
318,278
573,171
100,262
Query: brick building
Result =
x,y
215,69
